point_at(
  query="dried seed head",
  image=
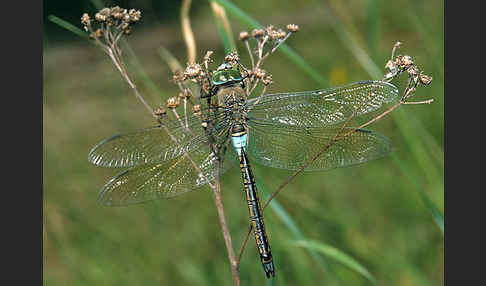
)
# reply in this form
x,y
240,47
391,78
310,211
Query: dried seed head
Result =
x,y
100,18
115,10
178,76
134,15
192,70
257,33
244,36
105,11
96,34
425,79
292,28
259,73
186,93
407,60
412,71
196,109
160,111
274,35
86,20
281,34
403,61
232,58
267,80
172,102
390,65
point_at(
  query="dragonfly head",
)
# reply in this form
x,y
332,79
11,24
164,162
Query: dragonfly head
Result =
x,y
226,75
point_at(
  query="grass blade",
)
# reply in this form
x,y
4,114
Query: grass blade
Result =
x,y
224,27
169,58
436,215
372,27
68,26
336,255
349,42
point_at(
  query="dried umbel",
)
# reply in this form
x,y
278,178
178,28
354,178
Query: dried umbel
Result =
x,y
405,64
232,58
292,28
173,102
244,36
111,22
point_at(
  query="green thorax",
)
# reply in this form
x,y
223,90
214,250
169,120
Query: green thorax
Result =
x,y
226,76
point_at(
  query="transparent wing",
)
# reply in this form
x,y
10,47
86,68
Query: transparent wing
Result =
x,y
321,107
285,147
150,145
164,179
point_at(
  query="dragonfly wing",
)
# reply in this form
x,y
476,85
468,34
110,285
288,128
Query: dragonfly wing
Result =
x,y
150,145
163,179
322,107
290,148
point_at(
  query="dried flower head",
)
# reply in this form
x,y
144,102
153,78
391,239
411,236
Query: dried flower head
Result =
x,y
186,93
267,79
244,36
232,58
192,70
100,17
178,76
257,33
412,71
173,102
86,20
292,28
96,34
259,73
196,109
117,12
160,111
425,79
134,15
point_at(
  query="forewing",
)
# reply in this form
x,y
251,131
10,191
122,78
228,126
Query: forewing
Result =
x,y
150,145
163,179
321,107
290,148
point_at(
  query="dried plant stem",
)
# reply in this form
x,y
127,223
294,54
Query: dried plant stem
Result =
x,y
224,228
122,71
242,248
247,44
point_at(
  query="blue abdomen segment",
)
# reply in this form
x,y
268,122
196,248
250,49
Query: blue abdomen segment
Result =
x,y
239,142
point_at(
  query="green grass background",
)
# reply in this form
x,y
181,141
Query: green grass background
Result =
x,y
385,215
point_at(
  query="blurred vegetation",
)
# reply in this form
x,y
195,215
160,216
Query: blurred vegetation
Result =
x,y
386,214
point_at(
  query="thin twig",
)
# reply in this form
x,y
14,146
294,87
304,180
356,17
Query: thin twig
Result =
x,y
224,228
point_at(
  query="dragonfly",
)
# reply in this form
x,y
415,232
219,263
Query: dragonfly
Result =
x,y
280,130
